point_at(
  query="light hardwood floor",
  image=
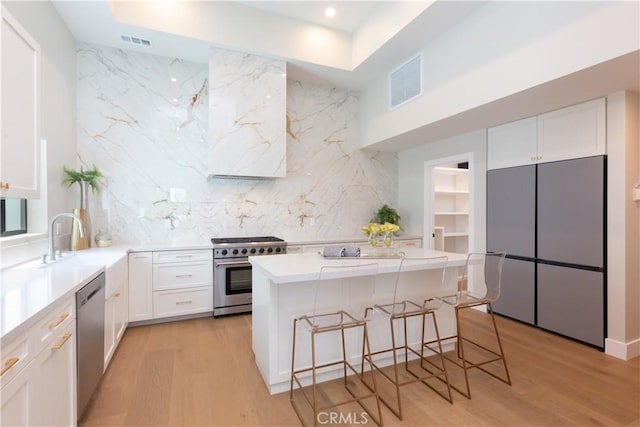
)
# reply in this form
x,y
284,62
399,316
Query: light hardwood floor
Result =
x,y
201,372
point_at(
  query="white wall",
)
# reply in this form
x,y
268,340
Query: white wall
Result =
x,y
411,182
57,116
502,49
623,227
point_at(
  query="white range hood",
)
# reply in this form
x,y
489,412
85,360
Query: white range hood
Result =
x,y
247,116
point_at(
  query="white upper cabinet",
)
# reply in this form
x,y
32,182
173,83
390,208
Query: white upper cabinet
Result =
x,y
20,122
573,132
568,133
247,115
512,144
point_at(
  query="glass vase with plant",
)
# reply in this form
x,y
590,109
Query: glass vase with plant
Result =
x,y
86,179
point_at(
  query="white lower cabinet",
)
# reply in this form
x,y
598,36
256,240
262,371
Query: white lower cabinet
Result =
x,y
182,283
140,286
18,404
116,308
170,283
56,367
182,301
38,381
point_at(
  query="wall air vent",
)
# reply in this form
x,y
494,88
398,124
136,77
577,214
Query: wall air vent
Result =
x,y
405,82
135,40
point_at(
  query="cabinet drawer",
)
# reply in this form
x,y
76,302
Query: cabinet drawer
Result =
x,y
13,358
409,243
182,256
176,303
54,321
182,275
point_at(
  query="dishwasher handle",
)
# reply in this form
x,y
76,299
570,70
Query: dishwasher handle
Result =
x,y
90,290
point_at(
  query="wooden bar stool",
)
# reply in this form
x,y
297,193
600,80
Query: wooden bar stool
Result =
x,y
329,317
398,312
483,274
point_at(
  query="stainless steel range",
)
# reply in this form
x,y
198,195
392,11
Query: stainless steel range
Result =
x,y
232,270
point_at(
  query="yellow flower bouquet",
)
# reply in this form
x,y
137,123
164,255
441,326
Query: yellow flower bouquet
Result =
x,y
373,230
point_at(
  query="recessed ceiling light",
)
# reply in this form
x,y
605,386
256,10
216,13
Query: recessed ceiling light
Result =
x,y
330,12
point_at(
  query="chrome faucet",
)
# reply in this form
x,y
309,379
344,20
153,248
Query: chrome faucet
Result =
x,y
51,256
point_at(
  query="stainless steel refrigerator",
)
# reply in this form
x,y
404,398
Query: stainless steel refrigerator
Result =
x,y
550,219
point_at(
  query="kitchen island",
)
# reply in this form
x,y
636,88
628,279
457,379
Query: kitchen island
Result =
x,y
284,288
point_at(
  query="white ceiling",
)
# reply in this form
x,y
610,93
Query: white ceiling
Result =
x,y
273,29
349,14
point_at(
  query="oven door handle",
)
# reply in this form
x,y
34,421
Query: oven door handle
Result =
x,y
233,263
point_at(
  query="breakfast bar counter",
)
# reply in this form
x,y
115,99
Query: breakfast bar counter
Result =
x,y
284,288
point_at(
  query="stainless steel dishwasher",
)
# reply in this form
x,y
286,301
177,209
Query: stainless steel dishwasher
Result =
x,y
90,338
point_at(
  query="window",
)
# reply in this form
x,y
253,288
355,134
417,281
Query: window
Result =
x,y
13,217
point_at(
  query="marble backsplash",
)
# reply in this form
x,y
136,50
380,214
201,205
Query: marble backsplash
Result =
x,y
143,120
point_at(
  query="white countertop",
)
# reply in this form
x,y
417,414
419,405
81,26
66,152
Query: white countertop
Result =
x,y
171,246
353,239
28,290
303,267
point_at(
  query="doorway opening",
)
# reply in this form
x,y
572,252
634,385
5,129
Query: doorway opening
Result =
x,y
449,190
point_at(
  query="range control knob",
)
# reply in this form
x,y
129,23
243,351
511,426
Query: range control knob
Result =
x,y
244,251
261,250
270,250
278,250
253,250
235,252
224,252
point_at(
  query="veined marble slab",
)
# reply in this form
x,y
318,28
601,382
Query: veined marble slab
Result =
x,y
148,133
247,113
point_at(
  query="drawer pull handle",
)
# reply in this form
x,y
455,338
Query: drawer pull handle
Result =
x,y
4,186
55,323
183,302
183,275
9,364
65,338
184,256
116,295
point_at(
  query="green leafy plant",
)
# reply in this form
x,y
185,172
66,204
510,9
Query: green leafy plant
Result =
x,y
387,214
92,176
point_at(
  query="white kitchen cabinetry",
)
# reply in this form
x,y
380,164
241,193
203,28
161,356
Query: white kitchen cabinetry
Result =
x,y
408,243
182,283
170,283
568,133
513,144
451,209
20,122
16,383
38,381
116,309
573,132
56,367
140,286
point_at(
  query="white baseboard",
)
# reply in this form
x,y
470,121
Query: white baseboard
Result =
x,y
622,350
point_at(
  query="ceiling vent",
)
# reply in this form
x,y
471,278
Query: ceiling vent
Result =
x,y
135,40
405,82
